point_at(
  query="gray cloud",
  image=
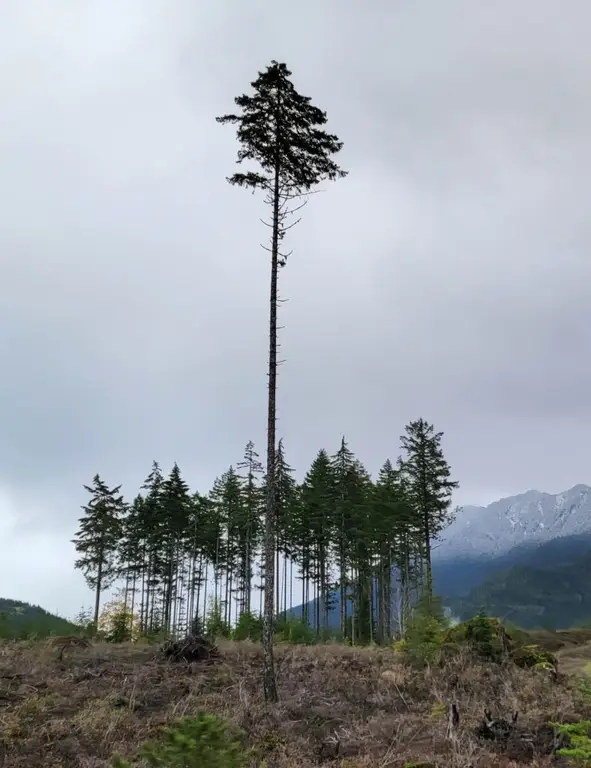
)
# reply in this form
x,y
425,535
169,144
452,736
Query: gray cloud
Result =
x,y
445,277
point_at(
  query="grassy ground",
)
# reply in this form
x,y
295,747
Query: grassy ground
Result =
x,y
107,699
571,646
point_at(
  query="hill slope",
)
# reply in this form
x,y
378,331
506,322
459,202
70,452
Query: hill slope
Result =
x,y
557,595
19,620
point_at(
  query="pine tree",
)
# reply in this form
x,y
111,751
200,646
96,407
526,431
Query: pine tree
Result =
x,y
281,131
315,533
395,537
176,510
342,464
132,554
98,538
285,490
153,525
250,533
426,476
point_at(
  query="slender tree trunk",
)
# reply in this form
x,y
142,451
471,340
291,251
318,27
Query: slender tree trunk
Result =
x,y
291,587
97,594
427,545
132,611
269,681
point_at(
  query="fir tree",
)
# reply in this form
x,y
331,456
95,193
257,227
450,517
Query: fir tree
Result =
x,y
176,512
250,533
395,537
153,526
285,491
281,131
315,533
427,475
98,538
342,464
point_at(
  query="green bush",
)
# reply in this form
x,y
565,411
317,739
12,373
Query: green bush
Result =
x,y
479,633
423,637
203,741
294,631
215,626
578,734
249,627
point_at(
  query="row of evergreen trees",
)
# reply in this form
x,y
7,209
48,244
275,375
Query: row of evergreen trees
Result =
x,y
339,533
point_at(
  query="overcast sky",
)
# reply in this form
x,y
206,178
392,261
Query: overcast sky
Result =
x,y
447,277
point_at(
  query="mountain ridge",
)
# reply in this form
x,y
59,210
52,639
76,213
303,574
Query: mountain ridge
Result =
x,y
529,517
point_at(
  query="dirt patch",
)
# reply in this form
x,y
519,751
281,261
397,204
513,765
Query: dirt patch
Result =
x,y
339,706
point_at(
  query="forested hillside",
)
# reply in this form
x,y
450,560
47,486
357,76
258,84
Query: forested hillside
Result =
x,y
180,553
555,595
20,620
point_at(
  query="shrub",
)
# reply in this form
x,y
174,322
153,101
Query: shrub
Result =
x,y
423,638
579,749
192,742
214,625
479,633
294,631
249,627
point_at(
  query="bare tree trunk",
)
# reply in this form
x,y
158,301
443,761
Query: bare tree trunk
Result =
x,y
269,682
97,594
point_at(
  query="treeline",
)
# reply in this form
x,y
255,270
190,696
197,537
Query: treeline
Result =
x,y
180,554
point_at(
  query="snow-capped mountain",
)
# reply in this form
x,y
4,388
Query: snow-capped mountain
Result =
x,y
529,518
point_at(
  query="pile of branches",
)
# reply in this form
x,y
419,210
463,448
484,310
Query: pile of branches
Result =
x,y
519,743
189,649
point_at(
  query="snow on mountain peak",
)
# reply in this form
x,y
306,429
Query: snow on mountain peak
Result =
x,y
530,517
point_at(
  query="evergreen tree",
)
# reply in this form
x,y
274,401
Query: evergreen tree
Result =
x,y
234,516
427,480
281,131
153,526
359,544
132,554
98,538
250,533
395,537
315,532
342,464
285,490
176,507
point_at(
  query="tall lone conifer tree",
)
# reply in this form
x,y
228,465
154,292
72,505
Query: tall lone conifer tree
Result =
x,y
98,538
427,477
280,131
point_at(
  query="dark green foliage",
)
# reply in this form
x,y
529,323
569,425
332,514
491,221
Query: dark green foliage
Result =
x,y
493,641
249,627
99,537
295,632
215,625
480,634
557,596
185,560
120,630
426,478
424,636
203,741
19,621
280,130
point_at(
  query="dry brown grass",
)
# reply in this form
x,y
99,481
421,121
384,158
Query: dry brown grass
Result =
x,y
108,699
